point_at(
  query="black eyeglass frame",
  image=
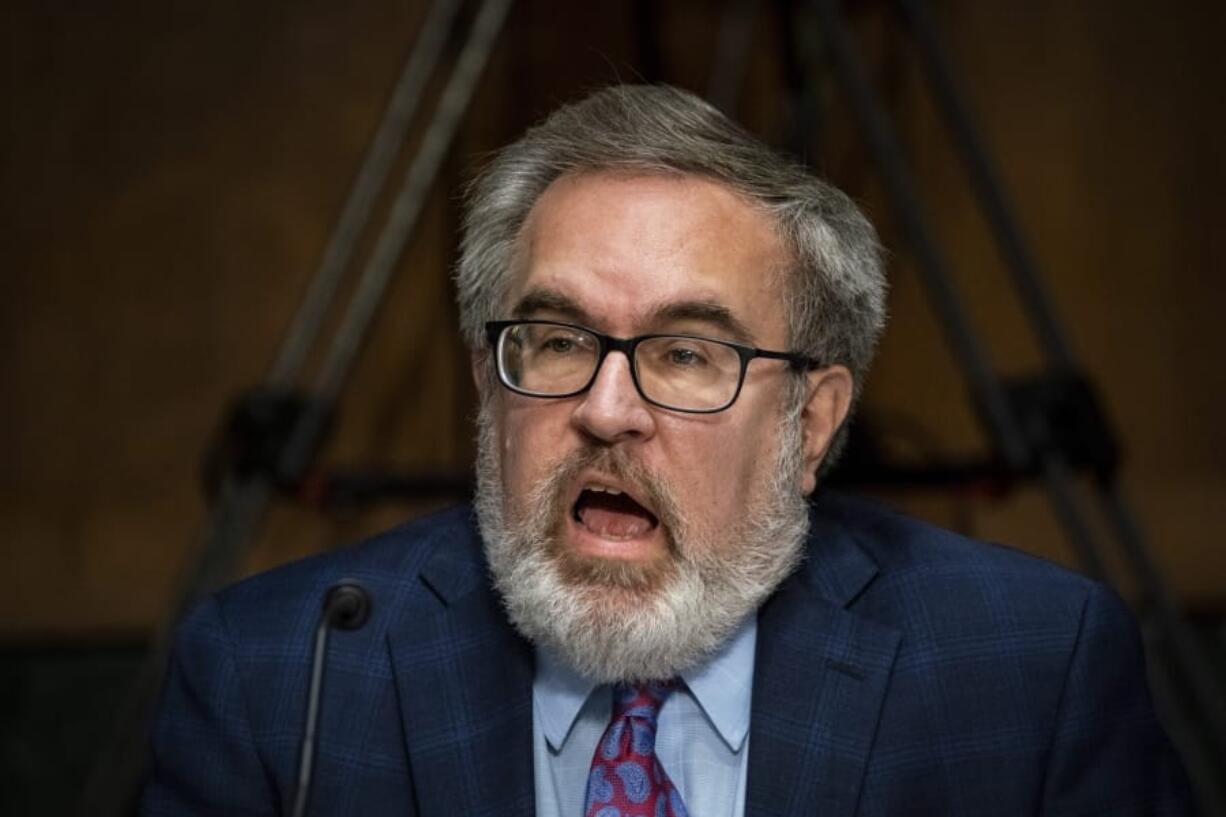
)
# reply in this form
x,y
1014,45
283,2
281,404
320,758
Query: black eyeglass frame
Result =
x,y
628,346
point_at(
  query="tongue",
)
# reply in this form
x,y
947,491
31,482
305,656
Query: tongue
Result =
x,y
614,516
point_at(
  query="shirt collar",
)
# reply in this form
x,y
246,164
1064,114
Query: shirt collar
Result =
x,y
722,685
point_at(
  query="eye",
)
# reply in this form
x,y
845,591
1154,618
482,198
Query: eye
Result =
x,y
560,342
684,357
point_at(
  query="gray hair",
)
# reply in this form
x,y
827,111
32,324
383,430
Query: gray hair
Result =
x,y
834,294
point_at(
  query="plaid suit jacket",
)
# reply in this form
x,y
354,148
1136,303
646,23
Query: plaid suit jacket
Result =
x,y
902,670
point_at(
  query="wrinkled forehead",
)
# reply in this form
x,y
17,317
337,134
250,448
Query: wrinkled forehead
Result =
x,y
636,250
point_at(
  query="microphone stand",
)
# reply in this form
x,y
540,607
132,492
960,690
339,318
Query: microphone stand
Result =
x,y
346,607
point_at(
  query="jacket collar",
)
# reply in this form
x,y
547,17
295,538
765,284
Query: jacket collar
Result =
x,y
820,678
464,679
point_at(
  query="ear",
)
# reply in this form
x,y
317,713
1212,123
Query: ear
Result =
x,y
479,365
826,407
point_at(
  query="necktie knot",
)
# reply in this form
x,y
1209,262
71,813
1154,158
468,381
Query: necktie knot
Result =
x,y
626,778
641,701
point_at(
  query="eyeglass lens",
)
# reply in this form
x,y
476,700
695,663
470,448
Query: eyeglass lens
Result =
x,y
679,372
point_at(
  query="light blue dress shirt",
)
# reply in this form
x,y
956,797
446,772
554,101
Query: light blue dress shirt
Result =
x,y
702,737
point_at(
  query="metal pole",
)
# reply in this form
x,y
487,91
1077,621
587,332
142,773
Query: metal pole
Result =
x,y
1023,271
984,383
932,266
400,223
985,181
389,138
242,503
1183,642
111,788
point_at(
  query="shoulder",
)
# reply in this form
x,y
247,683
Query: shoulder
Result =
x,y
287,600
1004,662
986,622
965,606
1014,686
239,668
921,568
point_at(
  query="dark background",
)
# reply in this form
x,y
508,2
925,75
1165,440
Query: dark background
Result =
x,y
171,173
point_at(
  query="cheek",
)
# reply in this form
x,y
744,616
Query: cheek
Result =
x,y
531,438
714,471
512,445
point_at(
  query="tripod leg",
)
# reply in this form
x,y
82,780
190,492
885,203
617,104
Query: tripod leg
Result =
x,y
1184,649
384,147
242,504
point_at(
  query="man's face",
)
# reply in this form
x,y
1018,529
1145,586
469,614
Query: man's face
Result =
x,y
637,255
626,501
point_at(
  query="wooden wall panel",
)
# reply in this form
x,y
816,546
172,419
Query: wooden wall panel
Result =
x,y
1102,119
170,175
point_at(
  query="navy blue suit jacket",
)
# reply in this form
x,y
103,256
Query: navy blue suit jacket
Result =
x,y
903,670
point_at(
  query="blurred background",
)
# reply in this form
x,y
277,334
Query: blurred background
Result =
x,y
172,172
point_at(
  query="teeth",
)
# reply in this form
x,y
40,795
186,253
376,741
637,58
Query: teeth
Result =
x,y
601,489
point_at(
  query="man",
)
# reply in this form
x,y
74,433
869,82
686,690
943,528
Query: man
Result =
x,y
644,613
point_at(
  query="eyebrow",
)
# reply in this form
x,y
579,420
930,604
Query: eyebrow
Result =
x,y
710,312
549,300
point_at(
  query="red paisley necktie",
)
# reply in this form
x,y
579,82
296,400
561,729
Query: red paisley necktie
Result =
x,y
627,779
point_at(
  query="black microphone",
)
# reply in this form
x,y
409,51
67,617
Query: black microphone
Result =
x,y
346,607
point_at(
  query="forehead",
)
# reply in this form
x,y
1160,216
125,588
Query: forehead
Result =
x,y
628,249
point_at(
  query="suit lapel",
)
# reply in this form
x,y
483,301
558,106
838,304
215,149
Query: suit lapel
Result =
x,y
464,679
820,677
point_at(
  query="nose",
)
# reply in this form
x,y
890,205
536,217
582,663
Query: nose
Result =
x,y
612,410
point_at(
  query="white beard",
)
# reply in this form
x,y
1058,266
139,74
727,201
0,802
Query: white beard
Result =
x,y
614,623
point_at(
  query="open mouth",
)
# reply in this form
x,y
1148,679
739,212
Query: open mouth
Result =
x,y
612,513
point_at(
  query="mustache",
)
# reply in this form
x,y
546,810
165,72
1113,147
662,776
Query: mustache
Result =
x,y
619,464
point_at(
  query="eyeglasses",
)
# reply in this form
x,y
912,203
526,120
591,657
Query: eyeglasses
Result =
x,y
677,372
